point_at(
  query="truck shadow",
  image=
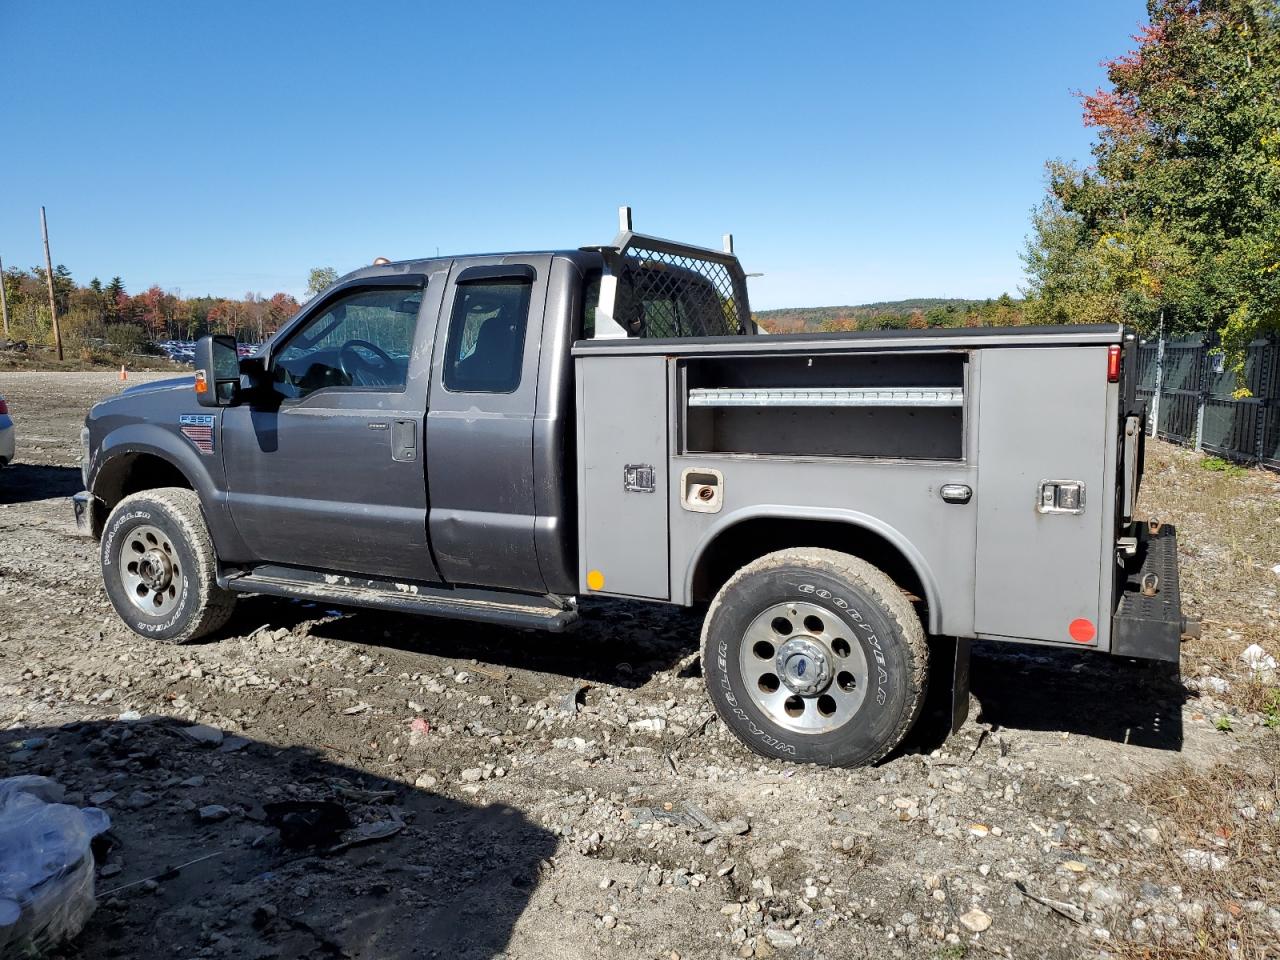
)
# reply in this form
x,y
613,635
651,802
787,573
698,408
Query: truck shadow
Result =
x,y
1109,698
454,879
27,482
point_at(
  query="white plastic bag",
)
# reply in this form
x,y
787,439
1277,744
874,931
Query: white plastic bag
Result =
x,y
46,867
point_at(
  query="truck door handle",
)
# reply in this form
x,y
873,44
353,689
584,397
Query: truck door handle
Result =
x,y
956,492
404,441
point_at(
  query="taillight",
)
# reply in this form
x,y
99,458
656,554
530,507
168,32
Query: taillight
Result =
x,y
1113,363
4,407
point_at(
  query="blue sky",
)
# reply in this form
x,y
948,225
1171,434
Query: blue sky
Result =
x,y
857,151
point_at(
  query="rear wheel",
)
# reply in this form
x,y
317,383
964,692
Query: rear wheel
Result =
x,y
159,568
816,656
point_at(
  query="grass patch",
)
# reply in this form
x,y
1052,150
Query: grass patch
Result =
x,y
1229,810
1225,467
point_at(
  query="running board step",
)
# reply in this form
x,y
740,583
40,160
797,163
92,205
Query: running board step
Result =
x,y
553,614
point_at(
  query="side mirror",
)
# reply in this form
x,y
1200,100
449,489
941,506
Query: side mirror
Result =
x,y
217,371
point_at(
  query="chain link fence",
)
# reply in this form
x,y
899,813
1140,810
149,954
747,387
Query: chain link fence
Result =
x,y
1190,398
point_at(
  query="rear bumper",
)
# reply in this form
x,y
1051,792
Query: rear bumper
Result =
x,y
1149,623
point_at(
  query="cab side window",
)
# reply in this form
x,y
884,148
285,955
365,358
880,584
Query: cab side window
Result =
x,y
485,349
362,340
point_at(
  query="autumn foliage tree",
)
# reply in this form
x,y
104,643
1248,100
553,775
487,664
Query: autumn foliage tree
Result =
x,y
1178,218
98,316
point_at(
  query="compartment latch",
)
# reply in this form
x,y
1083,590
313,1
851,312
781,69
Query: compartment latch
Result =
x,y
1060,496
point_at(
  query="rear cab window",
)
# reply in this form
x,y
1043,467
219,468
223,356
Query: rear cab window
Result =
x,y
485,349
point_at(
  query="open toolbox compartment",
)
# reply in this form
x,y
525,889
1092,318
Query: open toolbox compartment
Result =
x,y
895,406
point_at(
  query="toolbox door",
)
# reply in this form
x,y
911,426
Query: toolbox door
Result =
x,y
622,479
1042,448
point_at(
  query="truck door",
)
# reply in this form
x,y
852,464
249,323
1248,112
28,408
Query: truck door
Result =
x,y
480,418
326,470
1042,448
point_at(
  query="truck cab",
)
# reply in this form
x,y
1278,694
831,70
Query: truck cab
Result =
x,y
492,437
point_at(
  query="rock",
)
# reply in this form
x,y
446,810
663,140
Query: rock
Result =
x,y
1105,898
101,797
1259,662
780,939
975,920
203,733
213,812
1203,860
129,716
648,725
472,775
139,799
197,781
425,781
609,921
109,870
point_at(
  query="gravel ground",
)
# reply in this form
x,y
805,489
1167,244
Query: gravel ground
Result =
x,y
524,795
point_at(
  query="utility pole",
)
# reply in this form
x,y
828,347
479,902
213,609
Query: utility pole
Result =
x,y
4,302
48,275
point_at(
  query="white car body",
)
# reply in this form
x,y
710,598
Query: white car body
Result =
x,y
6,437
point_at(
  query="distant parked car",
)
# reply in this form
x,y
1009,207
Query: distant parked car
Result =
x,y
6,434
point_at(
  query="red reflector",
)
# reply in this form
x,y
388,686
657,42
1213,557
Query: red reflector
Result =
x,y
1113,364
4,407
1082,631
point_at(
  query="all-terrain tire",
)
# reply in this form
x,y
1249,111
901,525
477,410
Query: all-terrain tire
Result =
x,y
874,627
168,520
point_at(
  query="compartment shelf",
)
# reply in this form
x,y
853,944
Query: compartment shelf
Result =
x,y
827,397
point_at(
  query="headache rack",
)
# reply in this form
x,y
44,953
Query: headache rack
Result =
x,y
659,288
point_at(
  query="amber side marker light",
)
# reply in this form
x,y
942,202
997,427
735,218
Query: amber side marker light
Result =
x,y
1113,363
202,385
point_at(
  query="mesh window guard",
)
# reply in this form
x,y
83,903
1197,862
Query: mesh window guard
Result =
x,y
665,289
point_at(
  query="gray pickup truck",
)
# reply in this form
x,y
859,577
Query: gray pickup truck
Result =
x,y
493,437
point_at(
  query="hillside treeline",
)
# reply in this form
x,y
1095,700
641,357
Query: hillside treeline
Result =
x,y
99,319
919,314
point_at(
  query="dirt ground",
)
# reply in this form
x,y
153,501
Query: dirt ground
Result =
x,y
1089,807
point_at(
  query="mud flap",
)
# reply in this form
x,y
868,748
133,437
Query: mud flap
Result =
x,y
960,685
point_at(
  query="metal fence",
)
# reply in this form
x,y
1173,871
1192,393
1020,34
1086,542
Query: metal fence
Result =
x,y
1189,393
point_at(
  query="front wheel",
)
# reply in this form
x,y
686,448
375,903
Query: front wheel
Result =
x,y
815,656
159,568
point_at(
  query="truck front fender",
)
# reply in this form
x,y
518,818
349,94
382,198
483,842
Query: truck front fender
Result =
x,y
893,537
108,475
152,440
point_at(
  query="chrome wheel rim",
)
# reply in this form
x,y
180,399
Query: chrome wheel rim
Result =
x,y
803,668
149,571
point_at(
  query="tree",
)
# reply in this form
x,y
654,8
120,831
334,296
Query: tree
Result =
x,y
280,308
112,295
320,278
1179,217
